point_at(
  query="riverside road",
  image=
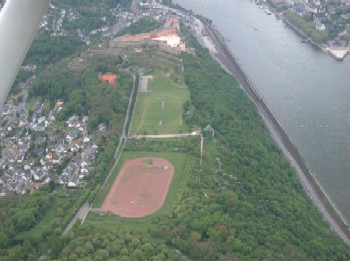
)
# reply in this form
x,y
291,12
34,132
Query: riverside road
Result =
x,y
310,184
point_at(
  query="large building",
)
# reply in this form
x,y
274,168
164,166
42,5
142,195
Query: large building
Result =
x,y
141,37
166,38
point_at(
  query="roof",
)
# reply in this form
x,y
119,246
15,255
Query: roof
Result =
x,y
109,77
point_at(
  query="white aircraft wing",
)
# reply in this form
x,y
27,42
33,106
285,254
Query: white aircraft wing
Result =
x,y
19,20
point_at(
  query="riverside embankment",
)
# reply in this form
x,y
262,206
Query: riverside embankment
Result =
x,y
337,52
309,182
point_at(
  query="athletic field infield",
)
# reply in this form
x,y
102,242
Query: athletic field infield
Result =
x,y
141,187
178,160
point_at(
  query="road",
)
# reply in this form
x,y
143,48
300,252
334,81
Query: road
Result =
x,y
310,184
81,214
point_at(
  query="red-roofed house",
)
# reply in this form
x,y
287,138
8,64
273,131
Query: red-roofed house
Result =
x,y
49,155
109,77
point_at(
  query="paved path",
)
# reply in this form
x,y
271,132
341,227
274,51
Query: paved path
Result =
x,y
128,117
81,214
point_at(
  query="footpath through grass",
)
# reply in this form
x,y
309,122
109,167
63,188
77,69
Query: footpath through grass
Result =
x,y
160,109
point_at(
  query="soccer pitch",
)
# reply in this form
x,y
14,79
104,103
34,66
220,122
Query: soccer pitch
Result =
x,y
159,110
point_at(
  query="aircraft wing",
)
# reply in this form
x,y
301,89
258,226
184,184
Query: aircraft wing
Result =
x,y
19,20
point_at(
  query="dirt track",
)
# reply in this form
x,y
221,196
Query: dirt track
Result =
x,y
309,182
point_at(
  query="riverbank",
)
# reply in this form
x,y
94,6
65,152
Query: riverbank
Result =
x,y
310,183
337,52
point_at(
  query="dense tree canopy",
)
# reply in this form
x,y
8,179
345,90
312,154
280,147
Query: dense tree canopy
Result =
x,y
105,3
47,50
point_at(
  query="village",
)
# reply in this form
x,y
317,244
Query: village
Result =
x,y
325,24
35,149
324,14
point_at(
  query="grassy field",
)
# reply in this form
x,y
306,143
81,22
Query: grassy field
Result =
x,y
178,160
159,111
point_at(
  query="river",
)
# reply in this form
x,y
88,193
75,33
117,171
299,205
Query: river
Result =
x,y
307,89
18,23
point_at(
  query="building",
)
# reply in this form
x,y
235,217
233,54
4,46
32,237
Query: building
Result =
x,y
108,77
141,37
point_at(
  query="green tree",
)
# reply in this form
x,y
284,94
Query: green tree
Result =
x,y
4,240
101,255
15,253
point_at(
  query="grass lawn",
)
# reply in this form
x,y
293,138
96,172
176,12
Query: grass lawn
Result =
x,y
177,159
159,111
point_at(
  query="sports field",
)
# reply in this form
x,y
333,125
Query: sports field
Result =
x,y
178,160
140,188
159,110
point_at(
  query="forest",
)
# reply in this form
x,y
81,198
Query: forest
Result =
x,y
32,223
84,3
47,50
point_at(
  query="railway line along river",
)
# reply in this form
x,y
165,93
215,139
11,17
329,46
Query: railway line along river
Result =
x,y
307,89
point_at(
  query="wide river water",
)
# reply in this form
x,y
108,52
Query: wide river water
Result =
x,y
307,89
